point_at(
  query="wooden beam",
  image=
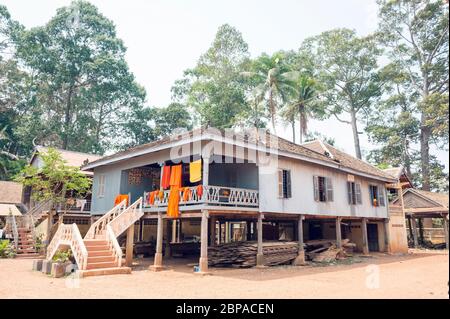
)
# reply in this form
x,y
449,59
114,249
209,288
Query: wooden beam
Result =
x,y
397,185
338,233
440,209
365,237
260,254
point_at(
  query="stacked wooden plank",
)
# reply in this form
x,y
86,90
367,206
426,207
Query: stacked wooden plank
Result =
x,y
243,254
327,251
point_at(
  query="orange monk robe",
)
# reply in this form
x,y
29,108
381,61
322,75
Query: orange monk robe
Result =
x,y
165,178
174,201
119,198
186,194
152,197
199,191
175,175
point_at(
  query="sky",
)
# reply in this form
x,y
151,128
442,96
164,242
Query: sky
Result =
x,y
166,37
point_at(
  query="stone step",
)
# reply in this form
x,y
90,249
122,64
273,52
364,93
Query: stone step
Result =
x,y
96,248
95,242
104,271
28,256
99,253
99,259
100,265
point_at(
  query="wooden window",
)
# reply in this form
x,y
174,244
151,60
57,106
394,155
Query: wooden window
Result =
x,y
354,193
284,184
323,189
101,185
377,197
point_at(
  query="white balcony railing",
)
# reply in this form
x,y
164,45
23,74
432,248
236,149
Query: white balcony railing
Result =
x,y
210,195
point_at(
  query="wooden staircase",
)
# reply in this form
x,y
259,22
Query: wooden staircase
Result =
x,y
26,245
99,252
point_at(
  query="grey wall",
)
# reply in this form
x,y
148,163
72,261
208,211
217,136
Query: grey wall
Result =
x,y
302,200
245,175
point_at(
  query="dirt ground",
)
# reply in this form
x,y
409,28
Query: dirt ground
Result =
x,y
420,274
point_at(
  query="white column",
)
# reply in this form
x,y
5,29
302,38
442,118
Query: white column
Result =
x,y
300,260
203,263
157,264
260,254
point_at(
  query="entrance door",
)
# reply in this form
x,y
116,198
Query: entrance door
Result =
x,y
372,237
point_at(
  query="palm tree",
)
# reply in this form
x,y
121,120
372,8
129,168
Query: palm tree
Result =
x,y
274,81
303,99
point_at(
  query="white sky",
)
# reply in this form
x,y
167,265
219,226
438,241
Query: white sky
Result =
x,y
165,37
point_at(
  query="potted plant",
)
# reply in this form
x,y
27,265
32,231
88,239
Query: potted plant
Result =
x,y
61,260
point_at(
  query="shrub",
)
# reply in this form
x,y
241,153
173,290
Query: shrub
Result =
x,y
7,249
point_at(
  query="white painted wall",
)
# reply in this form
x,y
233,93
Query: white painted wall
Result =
x,y
302,200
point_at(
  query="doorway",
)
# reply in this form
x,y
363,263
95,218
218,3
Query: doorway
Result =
x,y
372,237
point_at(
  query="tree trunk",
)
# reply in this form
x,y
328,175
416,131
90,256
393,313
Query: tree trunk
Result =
x,y
355,134
425,133
67,118
293,130
272,110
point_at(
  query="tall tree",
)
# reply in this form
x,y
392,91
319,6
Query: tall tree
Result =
x,y
214,87
301,105
275,81
347,68
416,33
83,79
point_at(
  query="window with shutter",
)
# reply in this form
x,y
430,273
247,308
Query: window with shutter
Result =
x,y
316,188
350,192
280,183
287,189
329,187
382,197
358,193
101,185
374,195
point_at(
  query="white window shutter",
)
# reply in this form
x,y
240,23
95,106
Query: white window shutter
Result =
x,y
329,186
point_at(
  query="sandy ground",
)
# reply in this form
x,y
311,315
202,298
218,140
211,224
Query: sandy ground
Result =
x,y
421,274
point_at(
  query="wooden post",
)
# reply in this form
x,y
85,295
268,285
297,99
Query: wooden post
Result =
x,y
387,236
141,229
414,226
227,232
212,231
260,254
157,263
203,263
364,236
300,260
129,248
411,234
179,231
219,240
338,232
446,231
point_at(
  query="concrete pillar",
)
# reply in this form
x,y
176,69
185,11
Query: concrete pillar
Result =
x,y
227,232
129,247
174,231
415,235
446,231
219,240
364,236
300,260
212,231
141,229
338,232
179,231
387,236
157,263
203,263
168,238
260,254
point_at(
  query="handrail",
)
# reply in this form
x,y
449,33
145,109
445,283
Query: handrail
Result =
x,y
69,235
15,232
78,248
38,208
217,195
114,245
121,222
100,225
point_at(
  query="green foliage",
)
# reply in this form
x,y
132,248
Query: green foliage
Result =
x,y
7,249
55,180
62,256
214,88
